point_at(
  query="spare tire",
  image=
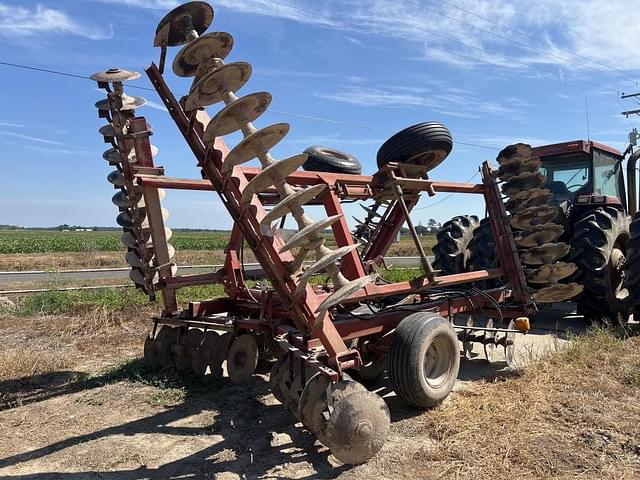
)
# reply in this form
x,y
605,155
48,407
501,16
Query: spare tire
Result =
x,y
325,159
425,144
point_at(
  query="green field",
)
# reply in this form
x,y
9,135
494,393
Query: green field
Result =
x,y
53,241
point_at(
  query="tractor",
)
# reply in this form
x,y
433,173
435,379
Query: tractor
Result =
x,y
576,197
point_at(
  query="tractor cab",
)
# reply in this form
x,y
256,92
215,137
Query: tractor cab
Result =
x,y
583,173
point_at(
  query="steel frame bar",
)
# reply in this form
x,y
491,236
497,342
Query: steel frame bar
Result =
x,y
247,218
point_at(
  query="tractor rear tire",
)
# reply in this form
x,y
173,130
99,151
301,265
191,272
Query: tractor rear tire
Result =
x,y
424,359
632,280
599,249
452,246
483,254
425,144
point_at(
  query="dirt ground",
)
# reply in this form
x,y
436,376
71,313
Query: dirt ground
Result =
x,y
76,402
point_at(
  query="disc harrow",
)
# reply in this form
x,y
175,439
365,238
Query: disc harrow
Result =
x,y
535,228
355,323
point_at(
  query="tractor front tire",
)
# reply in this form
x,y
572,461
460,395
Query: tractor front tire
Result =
x,y
599,249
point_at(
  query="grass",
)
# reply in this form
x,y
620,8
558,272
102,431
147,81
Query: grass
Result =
x,y
104,303
53,241
573,413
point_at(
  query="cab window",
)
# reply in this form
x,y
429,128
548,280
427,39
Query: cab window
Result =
x,y
605,174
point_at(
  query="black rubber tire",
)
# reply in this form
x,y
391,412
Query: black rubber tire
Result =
x,y
451,250
482,248
632,280
426,144
595,235
326,159
413,339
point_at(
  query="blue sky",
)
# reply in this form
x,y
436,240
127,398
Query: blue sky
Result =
x,y
383,64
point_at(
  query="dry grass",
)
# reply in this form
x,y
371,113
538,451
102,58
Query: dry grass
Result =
x,y
572,415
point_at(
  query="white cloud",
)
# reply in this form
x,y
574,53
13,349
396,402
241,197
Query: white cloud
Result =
x,y
468,33
29,138
16,21
156,106
10,124
452,102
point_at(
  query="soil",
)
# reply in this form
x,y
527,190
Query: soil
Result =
x,y
76,402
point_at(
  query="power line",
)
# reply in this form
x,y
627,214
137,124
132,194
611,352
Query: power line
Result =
x,y
520,32
279,112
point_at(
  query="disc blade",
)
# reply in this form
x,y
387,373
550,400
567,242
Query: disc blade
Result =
x,y
539,234
299,198
532,216
206,47
344,292
513,169
116,179
544,254
115,75
321,264
254,144
528,198
215,85
132,258
551,273
309,233
171,29
242,358
235,115
559,292
524,181
127,103
274,174
516,150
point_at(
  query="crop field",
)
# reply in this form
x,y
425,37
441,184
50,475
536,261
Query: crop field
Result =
x,y
52,241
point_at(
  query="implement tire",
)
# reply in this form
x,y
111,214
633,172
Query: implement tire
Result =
x,y
424,359
425,144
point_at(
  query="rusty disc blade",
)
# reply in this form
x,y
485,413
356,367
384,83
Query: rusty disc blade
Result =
x,y
559,292
213,86
242,358
522,182
532,216
174,27
551,273
544,254
539,234
358,427
208,46
528,198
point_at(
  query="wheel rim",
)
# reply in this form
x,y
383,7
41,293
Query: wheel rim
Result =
x,y
437,362
617,262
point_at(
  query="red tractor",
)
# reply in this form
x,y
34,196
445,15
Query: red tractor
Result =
x,y
581,205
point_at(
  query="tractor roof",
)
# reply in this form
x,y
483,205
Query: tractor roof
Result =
x,y
575,146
